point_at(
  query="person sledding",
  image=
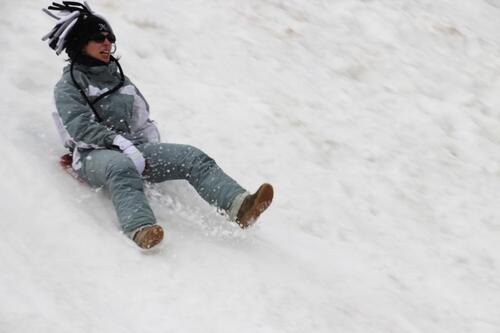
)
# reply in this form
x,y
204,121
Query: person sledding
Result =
x,y
104,121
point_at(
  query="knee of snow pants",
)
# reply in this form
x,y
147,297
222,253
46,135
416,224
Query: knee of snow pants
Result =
x,y
117,173
167,161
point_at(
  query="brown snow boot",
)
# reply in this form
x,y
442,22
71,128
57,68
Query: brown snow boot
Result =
x,y
253,205
148,236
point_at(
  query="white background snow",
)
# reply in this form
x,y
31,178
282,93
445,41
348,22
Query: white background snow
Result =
x,y
378,123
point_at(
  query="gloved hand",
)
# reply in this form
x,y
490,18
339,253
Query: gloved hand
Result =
x,y
131,151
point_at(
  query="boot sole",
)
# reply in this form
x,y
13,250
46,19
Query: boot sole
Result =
x,y
264,198
150,237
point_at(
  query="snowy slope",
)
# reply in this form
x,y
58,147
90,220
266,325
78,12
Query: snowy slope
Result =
x,y
377,121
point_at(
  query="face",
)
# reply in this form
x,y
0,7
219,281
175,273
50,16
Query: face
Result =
x,y
99,50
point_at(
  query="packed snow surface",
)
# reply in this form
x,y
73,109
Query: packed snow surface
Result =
x,y
378,123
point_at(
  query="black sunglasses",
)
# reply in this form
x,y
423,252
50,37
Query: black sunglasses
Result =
x,y
99,38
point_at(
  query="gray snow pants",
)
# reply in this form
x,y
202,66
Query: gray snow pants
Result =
x,y
164,161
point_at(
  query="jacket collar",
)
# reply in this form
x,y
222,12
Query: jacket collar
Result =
x,y
104,69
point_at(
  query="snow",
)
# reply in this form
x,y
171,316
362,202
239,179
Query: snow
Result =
x,y
377,122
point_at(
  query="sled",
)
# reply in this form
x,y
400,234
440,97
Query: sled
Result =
x,y
66,162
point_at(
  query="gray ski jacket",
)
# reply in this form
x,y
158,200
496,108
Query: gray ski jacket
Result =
x,y
123,112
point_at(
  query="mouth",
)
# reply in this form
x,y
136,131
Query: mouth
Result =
x,y
105,53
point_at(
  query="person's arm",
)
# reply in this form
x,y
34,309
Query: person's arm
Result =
x,y
78,118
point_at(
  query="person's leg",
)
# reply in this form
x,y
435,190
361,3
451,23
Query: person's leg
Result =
x,y
166,161
117,173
